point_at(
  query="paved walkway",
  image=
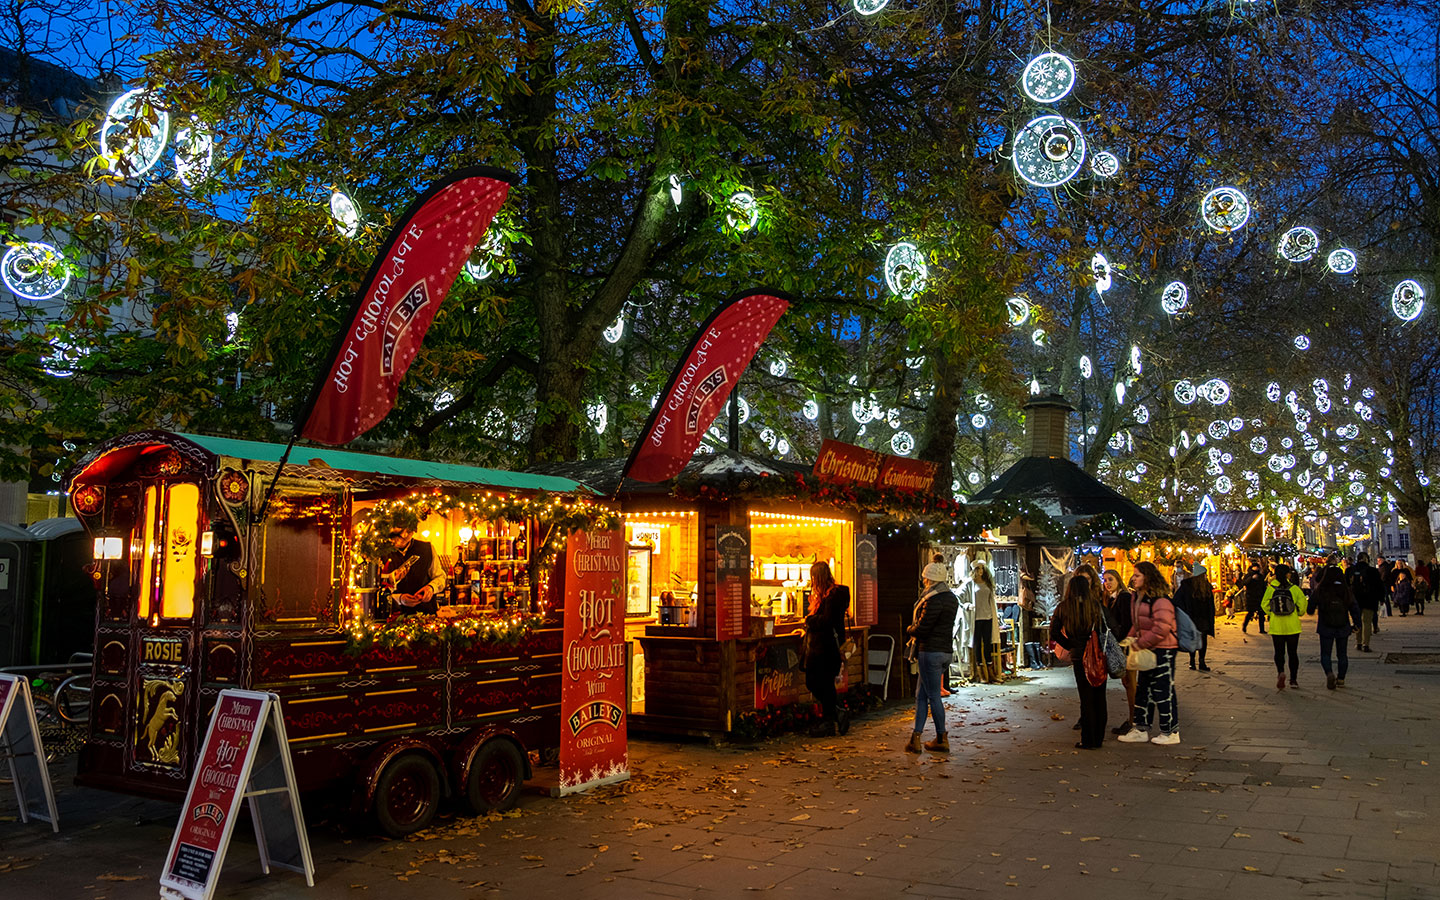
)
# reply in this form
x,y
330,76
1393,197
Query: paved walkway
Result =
x,y
1270,795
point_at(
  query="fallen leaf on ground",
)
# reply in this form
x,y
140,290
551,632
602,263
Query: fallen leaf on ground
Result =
x,y
111,876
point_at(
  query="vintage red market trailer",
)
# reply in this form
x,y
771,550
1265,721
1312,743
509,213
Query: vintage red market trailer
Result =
x,y
197,593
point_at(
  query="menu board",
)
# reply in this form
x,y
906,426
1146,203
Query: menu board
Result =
x,y
867,580
732,581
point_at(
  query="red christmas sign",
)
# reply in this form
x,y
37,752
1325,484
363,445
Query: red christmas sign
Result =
x,y
398,301
215,792
841,463
593,747
702,383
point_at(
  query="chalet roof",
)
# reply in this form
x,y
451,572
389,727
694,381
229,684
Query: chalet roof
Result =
x,y
1239,525
1067,493
725,470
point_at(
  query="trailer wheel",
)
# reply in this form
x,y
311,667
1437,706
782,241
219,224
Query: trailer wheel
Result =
x,y
407,795
496,776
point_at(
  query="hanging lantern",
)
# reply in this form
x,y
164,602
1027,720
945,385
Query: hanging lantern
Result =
x,y
1342,261
1225,209
1174,297
1048,151
1408,300
1048,77
1298,245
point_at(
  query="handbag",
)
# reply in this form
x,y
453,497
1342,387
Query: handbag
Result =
x,y
1138,660
848,648
1114,655
1095,671
1061,655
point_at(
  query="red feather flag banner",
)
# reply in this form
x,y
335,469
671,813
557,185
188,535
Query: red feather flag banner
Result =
x,y
703,382
398,300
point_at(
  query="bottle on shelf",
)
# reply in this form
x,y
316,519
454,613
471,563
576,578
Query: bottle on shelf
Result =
x,y
520,544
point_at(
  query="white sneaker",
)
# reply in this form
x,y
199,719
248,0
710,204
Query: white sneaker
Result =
x,y
1134,736
1173,738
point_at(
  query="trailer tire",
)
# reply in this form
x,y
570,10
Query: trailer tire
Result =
x,y
407,795
496,776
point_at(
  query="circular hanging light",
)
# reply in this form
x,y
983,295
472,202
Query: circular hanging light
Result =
x,y
482,263
1236,423
1276,463
34,271
979,421
779,367
983,402
616,329
905,270
1018,308
194,155
1322,403
1175,297
1225,209
767,437
1142,414
914,362
1320,386
743,408
1135,361
742,212
444,399
1302,342
1219,429
126,149
863,412
782,447
1048,77
1286,443
902,443
1185,391
811,410
1223,485
1086,369
1048,151
1216,390
1298,244
1105,164
892,418
63,359
345,213
869,7
599,415
1037,337
1368,393
1319,457
1272,392
1120,392
1407,300
1258,444
677,190
1100,268
973,478
1342,261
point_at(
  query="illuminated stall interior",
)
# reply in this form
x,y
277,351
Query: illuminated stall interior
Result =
x,y
661,584
783,547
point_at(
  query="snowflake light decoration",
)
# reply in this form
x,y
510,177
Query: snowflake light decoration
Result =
x,y
1225,209
979,421
1100,268
616,330
34,271
1018,308
1037,337
134,133
905,270
1120,392
1105,164
194,155
1086,368
677,190
1175,297
1236,423
483,262
1216,390
1048,151
1407,300
1298,244
983,402
1342,261
345,213
1219,429
1302,342
1142,414
869,7
1048,77
599,416
1185,391
1223,485
742,212
811,410
779,367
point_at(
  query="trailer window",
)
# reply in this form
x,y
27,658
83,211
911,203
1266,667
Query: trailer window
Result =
x,y
169,560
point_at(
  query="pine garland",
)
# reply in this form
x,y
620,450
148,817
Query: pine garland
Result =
x,y
462,633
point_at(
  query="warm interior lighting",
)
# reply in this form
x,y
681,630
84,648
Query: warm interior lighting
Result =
x,y
207,544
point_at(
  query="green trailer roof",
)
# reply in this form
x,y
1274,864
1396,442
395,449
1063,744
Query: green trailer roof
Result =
x,y
346,461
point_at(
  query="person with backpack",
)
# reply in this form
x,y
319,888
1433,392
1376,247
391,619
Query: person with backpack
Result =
x,y
1337,614
1153,628
1196,598
1285,603
1076,619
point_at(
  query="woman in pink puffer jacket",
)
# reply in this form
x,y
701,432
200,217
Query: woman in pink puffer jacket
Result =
x,y
1154,630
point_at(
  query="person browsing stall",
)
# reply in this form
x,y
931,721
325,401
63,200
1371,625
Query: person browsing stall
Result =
x,y
824,633
412,571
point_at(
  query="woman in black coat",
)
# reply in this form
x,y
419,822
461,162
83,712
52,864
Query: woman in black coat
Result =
x,y
1197,599
824,634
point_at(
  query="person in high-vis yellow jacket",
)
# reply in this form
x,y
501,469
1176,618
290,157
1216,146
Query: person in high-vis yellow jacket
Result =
x,y
1285,612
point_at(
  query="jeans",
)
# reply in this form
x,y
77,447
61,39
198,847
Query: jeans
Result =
x,y
1254,613
1287,644
1340,642
931,678
1367,627
1157,688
